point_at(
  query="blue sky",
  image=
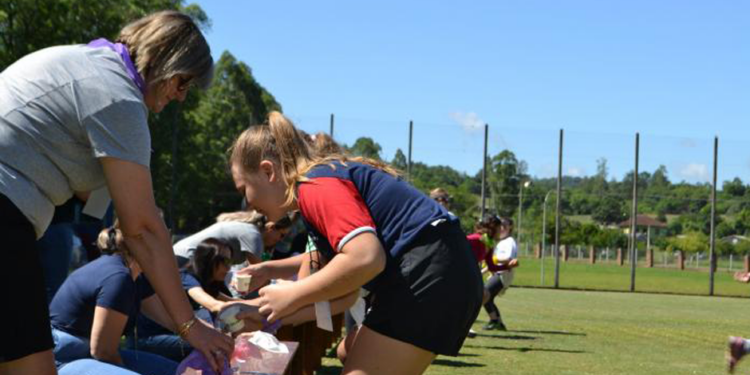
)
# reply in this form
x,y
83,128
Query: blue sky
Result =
x,y
674,70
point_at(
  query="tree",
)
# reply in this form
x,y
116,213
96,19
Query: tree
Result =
x,y
609,211
659,178
742,222
504,177
190,165
691,242
399,160
734,188
366,147
610,238
30,25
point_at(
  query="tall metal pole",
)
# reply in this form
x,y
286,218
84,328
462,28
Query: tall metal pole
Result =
x,y
520,215
484,168
712,252
408,165
544,231
331,131
557,213
634,217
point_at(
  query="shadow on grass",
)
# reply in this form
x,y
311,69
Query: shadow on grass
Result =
x,y
468,355
506,337
453,363
524,350
550,332
336,370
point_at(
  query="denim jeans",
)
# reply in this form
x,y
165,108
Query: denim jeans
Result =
x,y
167,346
72,356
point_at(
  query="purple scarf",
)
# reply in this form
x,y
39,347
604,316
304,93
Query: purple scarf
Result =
x,y
123,51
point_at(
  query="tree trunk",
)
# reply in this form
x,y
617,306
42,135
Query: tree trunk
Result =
x,y
650,258
681,259
619,256
592,255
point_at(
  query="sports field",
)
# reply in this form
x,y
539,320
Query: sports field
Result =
x,y
582,332
609,276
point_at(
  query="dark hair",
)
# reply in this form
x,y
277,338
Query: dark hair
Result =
x,y
286,221
488,225
507,224
206,257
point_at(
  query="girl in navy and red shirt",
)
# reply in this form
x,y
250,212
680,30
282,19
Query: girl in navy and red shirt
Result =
x,y
379,233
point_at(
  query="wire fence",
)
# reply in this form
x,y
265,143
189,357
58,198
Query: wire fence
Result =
x,y
679,226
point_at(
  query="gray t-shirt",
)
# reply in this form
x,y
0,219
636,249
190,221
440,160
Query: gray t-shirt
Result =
x,y
62,108
241,236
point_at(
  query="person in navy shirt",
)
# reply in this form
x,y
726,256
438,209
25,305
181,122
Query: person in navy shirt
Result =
x,y
203,282
93,308
378,232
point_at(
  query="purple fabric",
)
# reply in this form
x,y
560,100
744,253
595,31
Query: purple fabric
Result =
x,y
125,55
196,361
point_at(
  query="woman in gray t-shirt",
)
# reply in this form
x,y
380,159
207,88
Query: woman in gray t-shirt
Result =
x,y
73,119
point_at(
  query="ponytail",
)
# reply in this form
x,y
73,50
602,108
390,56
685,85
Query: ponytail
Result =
x,y
111,241
293,151
279,141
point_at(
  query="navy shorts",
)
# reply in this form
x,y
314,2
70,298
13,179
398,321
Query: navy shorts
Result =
x,y
431,294
24,323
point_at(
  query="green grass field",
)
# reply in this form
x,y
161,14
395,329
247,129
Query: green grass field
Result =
x,y
583,332
609,276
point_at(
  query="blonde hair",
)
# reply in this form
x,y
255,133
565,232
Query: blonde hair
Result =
x,y
248,217
112,241
279,141
322,145
167,43
439,193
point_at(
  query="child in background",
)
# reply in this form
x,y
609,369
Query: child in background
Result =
x,y
501,262
203,281
482,241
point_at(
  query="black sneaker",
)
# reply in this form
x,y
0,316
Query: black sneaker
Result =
x,y
491,325
501,327
472,334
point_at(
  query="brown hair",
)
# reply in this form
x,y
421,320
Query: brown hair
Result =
x,y
489,225
279,141
167,43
